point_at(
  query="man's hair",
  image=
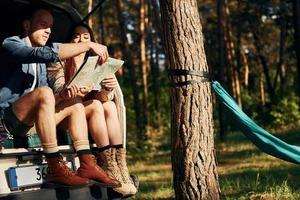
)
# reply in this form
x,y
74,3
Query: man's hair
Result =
x,y
34,8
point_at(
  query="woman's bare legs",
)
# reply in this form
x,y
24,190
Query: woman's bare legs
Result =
x,y
96,122
70,115
112,123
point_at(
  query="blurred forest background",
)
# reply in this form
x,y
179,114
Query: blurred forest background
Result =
x,y
253,50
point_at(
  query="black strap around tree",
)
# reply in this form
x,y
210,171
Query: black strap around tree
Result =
x,y
203,75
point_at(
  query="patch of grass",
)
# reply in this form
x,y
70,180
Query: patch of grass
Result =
x,y
244,172
155,176
247,173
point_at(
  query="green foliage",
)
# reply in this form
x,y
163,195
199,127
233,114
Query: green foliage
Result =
x,y
286,112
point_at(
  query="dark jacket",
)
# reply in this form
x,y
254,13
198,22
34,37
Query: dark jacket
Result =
x,y
16,73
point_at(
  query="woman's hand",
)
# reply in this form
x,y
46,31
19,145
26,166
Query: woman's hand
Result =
x,y
109,83
83,91
69,92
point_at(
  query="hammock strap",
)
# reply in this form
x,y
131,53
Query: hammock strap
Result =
x,y
202,76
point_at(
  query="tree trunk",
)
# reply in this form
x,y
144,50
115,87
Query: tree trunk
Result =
x,y
283,34
258,46
245,65
154,63
193,154
130,66
102,31
230,52
296,17
90,7
143,55
262,91
222,64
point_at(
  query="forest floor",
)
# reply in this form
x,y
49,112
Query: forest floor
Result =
x,y
244,172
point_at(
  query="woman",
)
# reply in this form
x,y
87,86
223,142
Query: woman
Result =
x,y
101,113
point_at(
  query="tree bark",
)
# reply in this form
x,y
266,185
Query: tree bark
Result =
x,y
193,155
296,17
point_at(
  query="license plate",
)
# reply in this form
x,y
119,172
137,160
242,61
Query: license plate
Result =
x,y
26,176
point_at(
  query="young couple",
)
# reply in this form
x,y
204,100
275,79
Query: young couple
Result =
x,y
26,99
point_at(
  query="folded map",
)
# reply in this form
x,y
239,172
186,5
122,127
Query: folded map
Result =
x,y
91,73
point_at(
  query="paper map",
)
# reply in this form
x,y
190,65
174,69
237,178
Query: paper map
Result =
x,y
92,73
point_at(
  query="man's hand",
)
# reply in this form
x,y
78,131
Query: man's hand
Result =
x,y
99,50
109,83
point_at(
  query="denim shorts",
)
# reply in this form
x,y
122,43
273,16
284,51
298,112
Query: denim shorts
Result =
x,y
13,125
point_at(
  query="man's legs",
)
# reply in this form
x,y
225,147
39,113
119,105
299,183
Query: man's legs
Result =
x,y
38,107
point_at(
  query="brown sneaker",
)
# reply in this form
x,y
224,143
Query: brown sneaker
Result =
x,y
89,169
60,175
122,164
107,160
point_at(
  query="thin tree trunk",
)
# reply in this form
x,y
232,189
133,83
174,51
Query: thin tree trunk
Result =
x,y
154,64
130,66
245,66
90,7
239,38
296,17
262,91
283,34
143,55
193,155
263,60
242,62
230,56
102,31
222,64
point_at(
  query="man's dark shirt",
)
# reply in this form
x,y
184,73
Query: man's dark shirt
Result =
x,y
16,71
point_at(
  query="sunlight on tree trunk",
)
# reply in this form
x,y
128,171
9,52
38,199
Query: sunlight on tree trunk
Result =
x,y
90,7
245,65
262,91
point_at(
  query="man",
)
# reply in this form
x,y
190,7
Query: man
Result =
x,y
25,99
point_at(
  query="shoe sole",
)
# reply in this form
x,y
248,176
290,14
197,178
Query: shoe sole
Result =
x,y
104,184
58,185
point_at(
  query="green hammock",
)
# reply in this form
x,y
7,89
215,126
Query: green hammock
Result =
x,y
260,137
